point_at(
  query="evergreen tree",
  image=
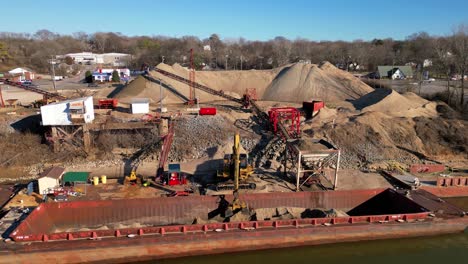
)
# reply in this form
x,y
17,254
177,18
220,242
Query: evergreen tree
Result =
x,y
115,76
88,77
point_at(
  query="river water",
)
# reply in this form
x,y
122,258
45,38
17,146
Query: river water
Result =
x,y
446,249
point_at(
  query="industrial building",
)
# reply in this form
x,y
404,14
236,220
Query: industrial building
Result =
x,y
68,112
50,179
89,58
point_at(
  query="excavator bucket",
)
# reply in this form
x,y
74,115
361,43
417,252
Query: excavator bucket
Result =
x,y
228,212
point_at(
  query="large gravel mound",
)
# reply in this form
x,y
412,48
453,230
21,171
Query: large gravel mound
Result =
x,y
300,82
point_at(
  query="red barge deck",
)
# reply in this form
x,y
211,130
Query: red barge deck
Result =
x,y
372,214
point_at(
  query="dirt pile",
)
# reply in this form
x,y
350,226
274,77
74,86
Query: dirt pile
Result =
x,y
299,82
375,137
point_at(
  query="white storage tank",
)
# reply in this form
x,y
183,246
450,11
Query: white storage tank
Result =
x,y
140,105
69,112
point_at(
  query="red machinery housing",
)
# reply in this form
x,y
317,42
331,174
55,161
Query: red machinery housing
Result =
x,y
311,108
249,95
207,111
107,103
289,116
174,175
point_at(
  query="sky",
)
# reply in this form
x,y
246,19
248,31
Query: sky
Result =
x,y
251,19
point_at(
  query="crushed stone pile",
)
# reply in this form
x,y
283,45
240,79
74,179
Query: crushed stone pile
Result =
x,y
285,213
198,137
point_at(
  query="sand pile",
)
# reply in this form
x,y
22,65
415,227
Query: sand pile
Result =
x,y
300,82
384,100
293,83
354,86
140,87
231,82
388,101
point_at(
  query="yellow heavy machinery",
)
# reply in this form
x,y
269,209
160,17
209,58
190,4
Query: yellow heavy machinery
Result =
x,y
235,165
132,178
240,168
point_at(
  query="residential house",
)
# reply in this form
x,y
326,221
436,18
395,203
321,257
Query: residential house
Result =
x,y
105,75
22,74
395,72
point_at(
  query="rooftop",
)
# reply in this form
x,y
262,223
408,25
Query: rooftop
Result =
x,y
52,172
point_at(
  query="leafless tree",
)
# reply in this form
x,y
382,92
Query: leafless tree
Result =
x,y
444,60
460,52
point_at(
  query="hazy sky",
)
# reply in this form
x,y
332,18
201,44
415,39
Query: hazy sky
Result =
x,y
251,19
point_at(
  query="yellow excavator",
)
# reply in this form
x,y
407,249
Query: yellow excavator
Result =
x,y
132,178
238,171
235,164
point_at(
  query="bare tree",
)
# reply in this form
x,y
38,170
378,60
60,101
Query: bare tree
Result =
x,y
460,51
444,60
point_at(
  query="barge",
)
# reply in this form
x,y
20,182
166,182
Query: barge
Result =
x,y
88,231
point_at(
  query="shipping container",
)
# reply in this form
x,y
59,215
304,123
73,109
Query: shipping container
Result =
x,y
107,103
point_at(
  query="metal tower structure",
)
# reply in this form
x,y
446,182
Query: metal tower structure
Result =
x,y
191,80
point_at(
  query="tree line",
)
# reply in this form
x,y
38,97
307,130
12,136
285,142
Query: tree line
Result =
x,y
448,54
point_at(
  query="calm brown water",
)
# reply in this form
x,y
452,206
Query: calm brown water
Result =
x,y
447,249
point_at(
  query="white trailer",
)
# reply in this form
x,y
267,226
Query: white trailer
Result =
x,y
69,112
140,105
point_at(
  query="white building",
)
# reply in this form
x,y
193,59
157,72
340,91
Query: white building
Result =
x,y
49,179
69,112
105,75
25,73
83,57
114,59
140,105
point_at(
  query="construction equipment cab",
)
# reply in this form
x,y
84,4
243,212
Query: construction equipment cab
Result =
x,y
174,176
232,162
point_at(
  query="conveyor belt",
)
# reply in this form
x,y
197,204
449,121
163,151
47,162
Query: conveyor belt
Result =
x,y
199,86
33,89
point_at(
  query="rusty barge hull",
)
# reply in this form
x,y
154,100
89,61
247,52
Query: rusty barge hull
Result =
x,y
373,214
121,250
57,221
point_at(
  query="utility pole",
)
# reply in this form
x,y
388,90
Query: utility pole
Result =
x,y
226,65
241,62
52,63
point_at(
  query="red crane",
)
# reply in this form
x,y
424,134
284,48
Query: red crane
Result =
x,y
192,99
1,98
